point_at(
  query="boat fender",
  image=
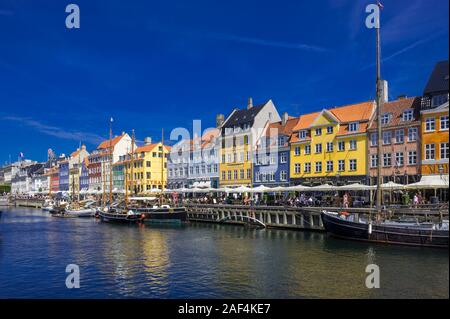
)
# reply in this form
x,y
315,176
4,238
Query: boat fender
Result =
x,y
370,228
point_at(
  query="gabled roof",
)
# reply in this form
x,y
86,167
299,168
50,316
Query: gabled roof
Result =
x,y
150,147
326,113
438,80
239,117
287,129
114,141
354,112
396,108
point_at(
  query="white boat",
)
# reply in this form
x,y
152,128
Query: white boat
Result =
x,y
48,205
86,211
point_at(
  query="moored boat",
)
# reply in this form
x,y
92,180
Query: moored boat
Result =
x,y
350,226
117,215
162,214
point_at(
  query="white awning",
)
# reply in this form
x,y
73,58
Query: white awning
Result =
x,y
260,189
324,187
355,187
430,182
392,185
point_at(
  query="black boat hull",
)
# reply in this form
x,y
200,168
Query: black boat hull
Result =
x,y
385,234
117,218
163,215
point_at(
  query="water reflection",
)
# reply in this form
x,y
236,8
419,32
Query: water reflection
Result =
x,y
203,260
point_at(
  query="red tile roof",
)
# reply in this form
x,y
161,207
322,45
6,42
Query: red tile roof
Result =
x,y
396,108
107,144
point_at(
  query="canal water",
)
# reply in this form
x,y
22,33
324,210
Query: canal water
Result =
x,y
203,261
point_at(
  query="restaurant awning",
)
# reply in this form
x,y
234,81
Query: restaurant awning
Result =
x,y
430,182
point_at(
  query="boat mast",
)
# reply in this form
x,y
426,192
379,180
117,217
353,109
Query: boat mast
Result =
x,y
104,184
132,162
378,104
110,161
162,164
79,173
125,166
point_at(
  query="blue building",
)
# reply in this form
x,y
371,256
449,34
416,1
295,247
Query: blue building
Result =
x,y
84,176
64,176
271,160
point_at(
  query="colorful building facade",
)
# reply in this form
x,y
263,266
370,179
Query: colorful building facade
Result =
x,y
148,170
435,122
271,167
331,146
401,151
239,135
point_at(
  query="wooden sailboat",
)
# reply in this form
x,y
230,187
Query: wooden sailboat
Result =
x,y
351,226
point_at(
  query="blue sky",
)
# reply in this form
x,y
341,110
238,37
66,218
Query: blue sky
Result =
x,y
154,64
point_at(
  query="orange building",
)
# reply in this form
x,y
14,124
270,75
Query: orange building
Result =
x,y
435,122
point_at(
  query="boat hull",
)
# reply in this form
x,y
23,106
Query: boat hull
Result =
x,y
163,215
80,213
117,218
411,236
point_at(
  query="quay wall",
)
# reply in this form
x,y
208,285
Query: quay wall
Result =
x,y
36,203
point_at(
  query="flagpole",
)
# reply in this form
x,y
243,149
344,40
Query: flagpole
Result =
x,y
110,162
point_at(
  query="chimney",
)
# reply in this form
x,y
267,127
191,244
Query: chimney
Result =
x,y
123,133
220,118
384,91
83,147
401,97
249,103
284,118
147,140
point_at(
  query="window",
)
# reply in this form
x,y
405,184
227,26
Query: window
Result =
x,y
373,139
148,163
444,122
387,160
330,147
241,174
235,175
353,145
373,160
385,118
412,157
148,175
273,159
329,166
387,136
444,151
281,140
272,176
329,130
430,124
297,151
407,115
318,167
353,127
307,149
229,175
439,99
341,146
249,173
246,139
412,134
318,131
283,175
318,148
307,167
399,136
258,176
353,166
302,135
241,156
399,161
297,168
247,156
341,165
283,157
430,151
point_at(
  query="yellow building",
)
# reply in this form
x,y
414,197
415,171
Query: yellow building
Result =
x,y
331,146
148,170
239,134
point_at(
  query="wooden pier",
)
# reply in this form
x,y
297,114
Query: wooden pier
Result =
x,y
301,218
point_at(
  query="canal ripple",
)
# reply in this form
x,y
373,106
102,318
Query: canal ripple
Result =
x,y
203,261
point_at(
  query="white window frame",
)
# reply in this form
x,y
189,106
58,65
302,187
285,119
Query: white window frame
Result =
x,y
430,124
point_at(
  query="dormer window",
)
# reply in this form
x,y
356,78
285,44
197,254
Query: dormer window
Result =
x,y
318,131
302,135
407,115
329,130
385,118
353,127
